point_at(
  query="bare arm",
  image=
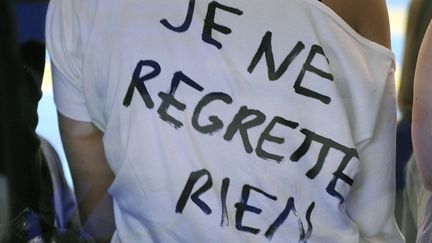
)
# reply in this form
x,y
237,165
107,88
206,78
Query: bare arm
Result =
x,y
91,175
422,110
368,17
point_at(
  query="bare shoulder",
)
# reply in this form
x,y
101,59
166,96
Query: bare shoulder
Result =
x,y
368,17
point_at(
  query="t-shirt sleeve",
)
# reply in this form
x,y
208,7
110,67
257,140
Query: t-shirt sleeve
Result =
x,y
371,202
64,46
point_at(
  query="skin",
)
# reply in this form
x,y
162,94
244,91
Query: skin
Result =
x,y
91,174
422,110
371,22
83,141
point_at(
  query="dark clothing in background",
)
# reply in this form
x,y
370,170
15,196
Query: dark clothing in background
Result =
x,y
21,159
31,170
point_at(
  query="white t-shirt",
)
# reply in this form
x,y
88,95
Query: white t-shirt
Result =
x,y
232,121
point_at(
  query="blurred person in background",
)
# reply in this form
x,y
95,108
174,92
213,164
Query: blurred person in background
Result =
x,y
26,190
409,191
422,134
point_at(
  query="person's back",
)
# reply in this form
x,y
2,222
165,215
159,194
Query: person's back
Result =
x,y
242,121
